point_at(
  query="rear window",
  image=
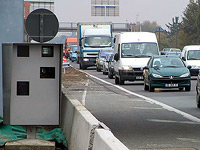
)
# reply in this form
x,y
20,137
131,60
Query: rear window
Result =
x,y
104,53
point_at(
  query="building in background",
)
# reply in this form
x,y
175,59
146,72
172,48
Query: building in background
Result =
x,y
30,5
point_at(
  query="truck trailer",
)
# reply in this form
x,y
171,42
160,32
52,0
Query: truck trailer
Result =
x,y
92,37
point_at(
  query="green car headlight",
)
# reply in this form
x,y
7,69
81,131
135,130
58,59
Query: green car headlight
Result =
x,y
185,74
156,75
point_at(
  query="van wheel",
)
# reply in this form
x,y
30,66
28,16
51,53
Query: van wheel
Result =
x,y
116,80
146,87
121,82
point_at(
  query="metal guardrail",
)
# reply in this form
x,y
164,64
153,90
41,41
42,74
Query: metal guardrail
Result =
x,y
72,27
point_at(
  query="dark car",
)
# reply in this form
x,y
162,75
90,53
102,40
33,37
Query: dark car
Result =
x,y
198,91
105,63
174,54
166,72
73,53
111,67
101,57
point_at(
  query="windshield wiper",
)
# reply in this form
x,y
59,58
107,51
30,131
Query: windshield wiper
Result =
x,y
172,66
142,55
129,55
156,67
193,59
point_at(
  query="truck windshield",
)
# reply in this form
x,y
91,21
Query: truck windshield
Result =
x,y
139,49
97,41
193,55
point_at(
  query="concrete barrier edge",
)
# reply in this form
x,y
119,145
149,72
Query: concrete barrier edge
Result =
x,y
82,129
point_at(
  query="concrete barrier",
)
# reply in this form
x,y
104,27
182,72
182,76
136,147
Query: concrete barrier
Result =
x,y
82,128
105,140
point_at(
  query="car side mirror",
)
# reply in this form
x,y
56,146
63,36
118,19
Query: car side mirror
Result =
x,y
184,58
162,53
116,57
189,67
147,68
114,40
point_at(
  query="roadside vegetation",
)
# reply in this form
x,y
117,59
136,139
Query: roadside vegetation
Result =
x,y
178,34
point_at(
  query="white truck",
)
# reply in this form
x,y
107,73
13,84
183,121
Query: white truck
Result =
x,y
92,37
132,52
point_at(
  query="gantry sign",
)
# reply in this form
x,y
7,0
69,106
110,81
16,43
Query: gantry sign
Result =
x,y
105,8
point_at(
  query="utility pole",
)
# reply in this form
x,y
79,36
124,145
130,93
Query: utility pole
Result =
x,y
176,25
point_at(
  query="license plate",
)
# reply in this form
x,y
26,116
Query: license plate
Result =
x,y
139,77
171,85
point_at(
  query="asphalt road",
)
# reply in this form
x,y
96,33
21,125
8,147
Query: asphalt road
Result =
x,y
166,118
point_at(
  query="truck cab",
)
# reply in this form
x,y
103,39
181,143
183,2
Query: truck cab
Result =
x,y
93,37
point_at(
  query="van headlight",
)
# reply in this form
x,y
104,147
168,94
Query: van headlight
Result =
x,y
127,68
156,75
185,74
85,59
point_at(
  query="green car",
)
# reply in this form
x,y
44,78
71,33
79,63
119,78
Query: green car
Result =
x,y
166,72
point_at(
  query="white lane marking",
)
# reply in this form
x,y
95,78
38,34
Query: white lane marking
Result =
x,y
152,101
84,94
172,121
189,140
148,108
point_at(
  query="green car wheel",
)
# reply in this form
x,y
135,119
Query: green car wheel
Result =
x,y
151,89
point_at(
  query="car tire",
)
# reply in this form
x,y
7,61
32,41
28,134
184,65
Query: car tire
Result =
x,y
104,73
121,82
116,80
151,89
198,100
99,70
80,66
110,75
187,88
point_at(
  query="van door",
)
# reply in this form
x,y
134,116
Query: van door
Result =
x,y
117,63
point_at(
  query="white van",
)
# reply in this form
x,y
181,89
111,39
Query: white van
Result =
x,y
132,52
191,57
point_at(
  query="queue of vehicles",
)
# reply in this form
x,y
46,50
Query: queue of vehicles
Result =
x,y
135,56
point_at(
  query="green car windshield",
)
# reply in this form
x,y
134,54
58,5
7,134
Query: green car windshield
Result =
x,y
167,62
130,50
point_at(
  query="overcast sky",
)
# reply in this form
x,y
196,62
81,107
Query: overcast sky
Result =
x,y
161,11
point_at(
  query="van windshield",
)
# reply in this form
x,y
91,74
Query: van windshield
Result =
x,y
98,41
193,55
139,50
